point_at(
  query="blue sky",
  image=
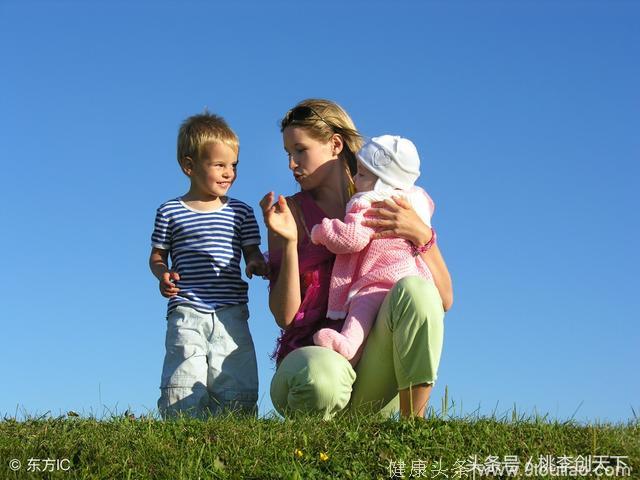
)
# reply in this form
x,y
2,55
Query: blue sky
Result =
x,y
526,115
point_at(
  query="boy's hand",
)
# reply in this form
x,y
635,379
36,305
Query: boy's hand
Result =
x,y
257,266
167,286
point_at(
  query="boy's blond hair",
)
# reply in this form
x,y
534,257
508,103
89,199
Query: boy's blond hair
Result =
x,y
203,129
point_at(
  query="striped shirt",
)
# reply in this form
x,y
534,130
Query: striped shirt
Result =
x,y
205,249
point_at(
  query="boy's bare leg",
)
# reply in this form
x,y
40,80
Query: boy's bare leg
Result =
x,y
414,400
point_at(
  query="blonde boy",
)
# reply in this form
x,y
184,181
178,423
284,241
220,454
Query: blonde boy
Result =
x,y
210,362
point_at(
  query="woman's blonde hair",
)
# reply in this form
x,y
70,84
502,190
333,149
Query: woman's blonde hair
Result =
x,y
322,119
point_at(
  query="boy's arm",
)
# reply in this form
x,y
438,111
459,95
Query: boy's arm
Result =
x,y
158,262
250,242
340,237
253,258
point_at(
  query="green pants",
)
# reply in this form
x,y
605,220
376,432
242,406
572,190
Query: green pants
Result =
x,y
403,349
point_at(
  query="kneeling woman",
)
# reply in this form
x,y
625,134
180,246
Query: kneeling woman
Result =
x,y
401,355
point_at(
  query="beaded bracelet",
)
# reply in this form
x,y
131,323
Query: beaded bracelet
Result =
x,y
426,247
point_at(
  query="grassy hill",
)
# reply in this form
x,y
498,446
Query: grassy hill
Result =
x,y
308,448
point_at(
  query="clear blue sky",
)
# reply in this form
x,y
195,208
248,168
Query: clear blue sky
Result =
x,y
526,115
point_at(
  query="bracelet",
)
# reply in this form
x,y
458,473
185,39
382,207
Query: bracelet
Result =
x,y
426,247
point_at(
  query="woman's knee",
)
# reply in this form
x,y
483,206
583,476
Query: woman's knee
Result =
x,y
312,380
416,299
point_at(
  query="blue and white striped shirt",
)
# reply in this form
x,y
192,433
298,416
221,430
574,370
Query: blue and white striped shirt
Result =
x,y
205,249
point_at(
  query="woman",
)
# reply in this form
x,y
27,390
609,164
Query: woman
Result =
x,y
401,355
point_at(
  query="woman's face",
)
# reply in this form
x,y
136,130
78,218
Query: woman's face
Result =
x,y
310,160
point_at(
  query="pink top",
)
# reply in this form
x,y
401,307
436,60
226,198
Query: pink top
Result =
x,y
314,263
362,262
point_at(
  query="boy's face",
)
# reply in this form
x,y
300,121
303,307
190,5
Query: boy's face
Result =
x,y
364,179
214,172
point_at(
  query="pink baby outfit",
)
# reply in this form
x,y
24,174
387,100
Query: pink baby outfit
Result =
x,y
314,264
365,270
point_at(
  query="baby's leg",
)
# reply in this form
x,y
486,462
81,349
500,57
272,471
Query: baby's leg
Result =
x,y
362,313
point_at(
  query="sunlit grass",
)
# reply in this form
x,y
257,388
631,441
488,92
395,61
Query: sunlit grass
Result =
x,y
120,445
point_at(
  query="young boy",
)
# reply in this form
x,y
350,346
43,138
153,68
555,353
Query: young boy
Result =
x,y
210,362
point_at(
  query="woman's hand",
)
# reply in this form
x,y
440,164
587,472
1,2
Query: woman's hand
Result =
x,y
278,217
284,293
395,217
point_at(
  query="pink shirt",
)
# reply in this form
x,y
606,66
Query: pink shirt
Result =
x,y
362,262
314,263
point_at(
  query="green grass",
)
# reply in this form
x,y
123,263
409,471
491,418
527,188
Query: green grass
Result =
x,y
306,447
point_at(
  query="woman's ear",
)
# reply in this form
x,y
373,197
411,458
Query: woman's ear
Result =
x,y
337,144
186,164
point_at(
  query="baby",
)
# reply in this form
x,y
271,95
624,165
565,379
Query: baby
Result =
x,y
365,269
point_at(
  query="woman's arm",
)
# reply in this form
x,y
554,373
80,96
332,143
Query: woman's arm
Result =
x,y
441,277
396,218
284,295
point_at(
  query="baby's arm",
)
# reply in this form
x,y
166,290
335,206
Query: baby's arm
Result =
x,y
158,262
256,264
340,237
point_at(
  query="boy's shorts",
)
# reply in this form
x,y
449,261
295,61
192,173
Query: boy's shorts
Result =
x,y
210,363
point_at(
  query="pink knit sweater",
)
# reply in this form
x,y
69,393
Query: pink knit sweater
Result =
x,y
362,262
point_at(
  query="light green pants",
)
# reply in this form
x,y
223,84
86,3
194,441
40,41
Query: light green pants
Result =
x,y
403,349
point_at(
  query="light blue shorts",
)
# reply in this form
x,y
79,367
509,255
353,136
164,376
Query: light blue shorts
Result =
x,y
210,363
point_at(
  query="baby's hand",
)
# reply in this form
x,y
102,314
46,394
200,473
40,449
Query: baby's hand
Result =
x,y
167,286
313,235
257,266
